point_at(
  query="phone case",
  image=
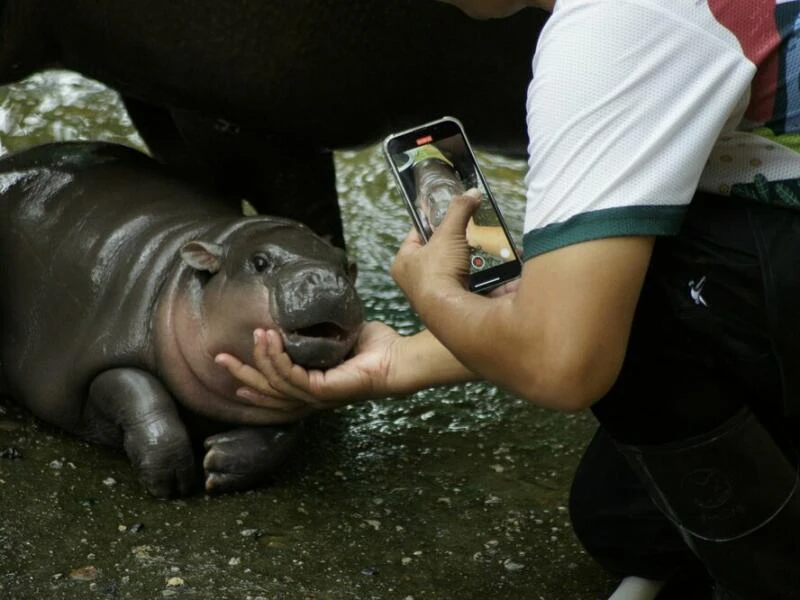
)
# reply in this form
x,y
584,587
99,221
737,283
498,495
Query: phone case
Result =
x,y
431,163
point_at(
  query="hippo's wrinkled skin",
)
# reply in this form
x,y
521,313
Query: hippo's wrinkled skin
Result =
x,y
255,93
121,283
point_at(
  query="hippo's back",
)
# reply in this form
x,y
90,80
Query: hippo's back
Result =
x,y
88,234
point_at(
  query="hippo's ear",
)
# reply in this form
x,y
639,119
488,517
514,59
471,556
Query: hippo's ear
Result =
x,y
202,256
352,269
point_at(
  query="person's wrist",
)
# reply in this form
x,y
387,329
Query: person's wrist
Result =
x,y
396,363
432,300
410,366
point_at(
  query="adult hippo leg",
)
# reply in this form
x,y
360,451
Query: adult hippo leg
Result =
x,y
157,128
243,458
153,435
277,175
298,183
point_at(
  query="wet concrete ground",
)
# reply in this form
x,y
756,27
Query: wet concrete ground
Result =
x,y
370,509
456,493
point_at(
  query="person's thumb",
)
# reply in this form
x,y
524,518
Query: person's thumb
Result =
x,y
411,243
459,212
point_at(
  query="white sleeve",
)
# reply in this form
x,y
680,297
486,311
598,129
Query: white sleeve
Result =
x,y
625,105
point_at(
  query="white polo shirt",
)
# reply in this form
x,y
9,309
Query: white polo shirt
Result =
x,y
636,104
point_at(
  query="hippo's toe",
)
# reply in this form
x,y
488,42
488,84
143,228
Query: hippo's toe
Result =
x,y
244,458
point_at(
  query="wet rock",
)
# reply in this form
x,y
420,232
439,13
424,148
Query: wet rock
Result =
x,y
135,528
256,533
11,453
147,554
510,565
87,573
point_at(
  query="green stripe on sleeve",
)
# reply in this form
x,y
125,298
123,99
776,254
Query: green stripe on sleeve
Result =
x,y
598,224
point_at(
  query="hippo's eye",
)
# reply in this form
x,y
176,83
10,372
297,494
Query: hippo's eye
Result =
x,y
260,263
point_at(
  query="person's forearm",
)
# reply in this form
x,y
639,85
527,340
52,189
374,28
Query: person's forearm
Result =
x,y
560,339
423,361
487,336
535,359
477,330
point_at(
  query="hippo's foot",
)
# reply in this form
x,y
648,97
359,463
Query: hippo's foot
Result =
x,y
166,469
153,435
243,458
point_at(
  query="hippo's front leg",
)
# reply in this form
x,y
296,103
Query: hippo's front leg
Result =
x,y
154,436
243,458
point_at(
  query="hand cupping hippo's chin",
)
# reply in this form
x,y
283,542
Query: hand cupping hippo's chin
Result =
x,y
160,277
308,287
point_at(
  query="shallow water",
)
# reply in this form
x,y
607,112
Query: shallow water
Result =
x,y
450,493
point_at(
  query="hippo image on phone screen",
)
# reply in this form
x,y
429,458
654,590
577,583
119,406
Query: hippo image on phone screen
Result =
x,y
122,282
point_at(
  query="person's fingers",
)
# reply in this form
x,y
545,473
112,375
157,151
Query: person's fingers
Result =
x,y
244,373
230,362
459,212
256,398
274,381
256,391
277,366
411,243
506,288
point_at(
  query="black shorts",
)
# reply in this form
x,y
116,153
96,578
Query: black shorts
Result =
x,y
717,327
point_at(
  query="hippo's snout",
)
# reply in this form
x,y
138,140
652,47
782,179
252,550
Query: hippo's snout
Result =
x,y
319,314
437,182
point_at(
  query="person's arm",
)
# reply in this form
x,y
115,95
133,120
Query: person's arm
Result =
x,y
384,364
557,340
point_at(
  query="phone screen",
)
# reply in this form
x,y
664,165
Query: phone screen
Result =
x,y
433,163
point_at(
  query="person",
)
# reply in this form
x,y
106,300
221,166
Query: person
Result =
x,y
660,288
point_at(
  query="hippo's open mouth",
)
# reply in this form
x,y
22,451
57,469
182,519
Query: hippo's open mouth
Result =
x,y
322,330
318,313
319,346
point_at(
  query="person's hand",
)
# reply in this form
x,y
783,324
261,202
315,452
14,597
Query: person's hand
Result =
x,y
275,377
507,288
443,263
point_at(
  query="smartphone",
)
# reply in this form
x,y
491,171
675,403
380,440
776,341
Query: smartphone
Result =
x,y
433,162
